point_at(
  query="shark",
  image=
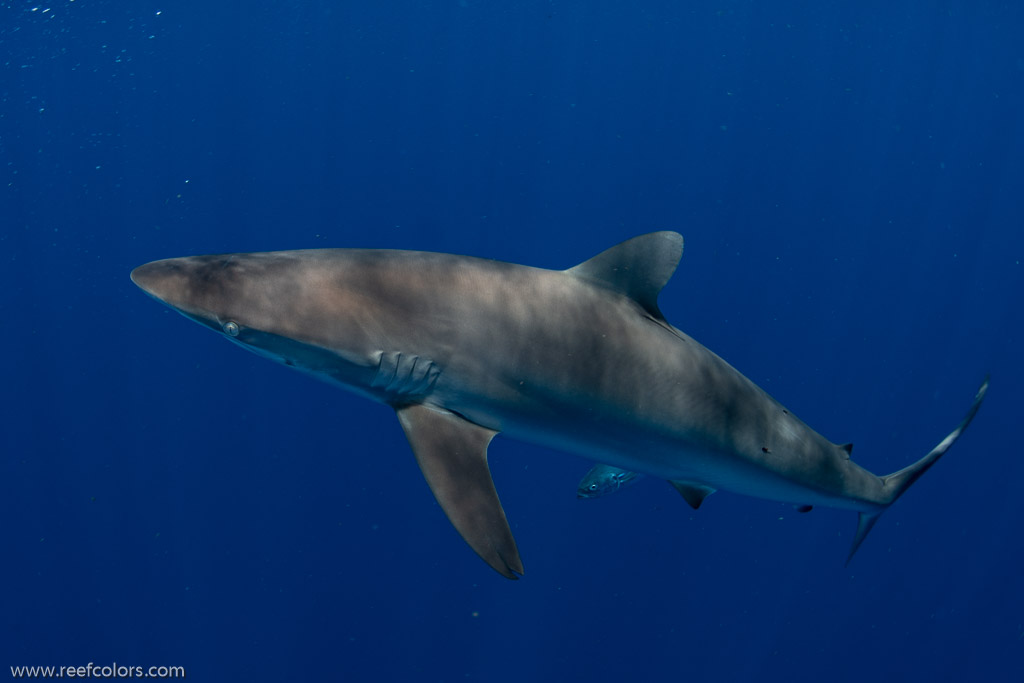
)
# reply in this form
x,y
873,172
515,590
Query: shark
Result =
x,y
578,360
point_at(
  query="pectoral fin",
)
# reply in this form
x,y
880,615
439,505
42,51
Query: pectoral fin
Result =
x,y
452,453
694,494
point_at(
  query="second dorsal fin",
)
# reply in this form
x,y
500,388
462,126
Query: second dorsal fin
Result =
x,y
637,268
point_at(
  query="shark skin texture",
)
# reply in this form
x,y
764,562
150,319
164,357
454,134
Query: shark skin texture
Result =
x,y
580,360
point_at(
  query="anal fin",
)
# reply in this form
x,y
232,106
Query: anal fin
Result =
x,y
452,453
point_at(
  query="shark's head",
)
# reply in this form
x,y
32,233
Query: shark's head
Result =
x,y
231,293
273,304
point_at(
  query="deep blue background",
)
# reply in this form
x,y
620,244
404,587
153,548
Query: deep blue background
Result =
x,y
849,177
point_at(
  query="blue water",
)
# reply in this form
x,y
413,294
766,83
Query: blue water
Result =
x,y
849,178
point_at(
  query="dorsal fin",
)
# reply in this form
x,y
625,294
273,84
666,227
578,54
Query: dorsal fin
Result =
x,y
637,268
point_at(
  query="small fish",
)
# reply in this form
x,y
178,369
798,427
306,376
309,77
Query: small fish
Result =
x,y
604,479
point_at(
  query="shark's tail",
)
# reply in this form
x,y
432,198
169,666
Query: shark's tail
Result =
x,y
898,482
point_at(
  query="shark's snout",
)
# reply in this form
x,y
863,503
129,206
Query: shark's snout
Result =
x,y
165,280
146,276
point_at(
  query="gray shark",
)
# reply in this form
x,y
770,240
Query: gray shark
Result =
x,y
580,360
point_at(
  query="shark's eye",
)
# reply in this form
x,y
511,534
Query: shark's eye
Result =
x,y
231,328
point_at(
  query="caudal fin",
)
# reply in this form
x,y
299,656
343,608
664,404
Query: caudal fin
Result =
x,y
898,482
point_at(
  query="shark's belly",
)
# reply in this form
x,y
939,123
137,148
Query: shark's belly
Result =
x,y
655,403
662,454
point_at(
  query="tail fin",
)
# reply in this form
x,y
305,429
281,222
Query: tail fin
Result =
x,y
898,482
